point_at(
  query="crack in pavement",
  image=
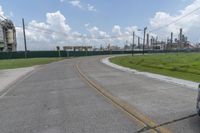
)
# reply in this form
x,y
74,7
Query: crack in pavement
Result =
x,y
149,124
165,123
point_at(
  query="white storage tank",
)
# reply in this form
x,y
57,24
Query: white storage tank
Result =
x,y
7,36
1,34
10,36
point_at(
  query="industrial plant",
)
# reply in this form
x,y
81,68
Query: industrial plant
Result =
x,y
8,41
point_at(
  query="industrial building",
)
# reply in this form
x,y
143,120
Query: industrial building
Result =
x,y
8,41
77,48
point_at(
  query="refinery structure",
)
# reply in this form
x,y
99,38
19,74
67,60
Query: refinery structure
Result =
x,y
8,42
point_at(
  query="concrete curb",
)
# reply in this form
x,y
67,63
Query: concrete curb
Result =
x,y
7,86
181,82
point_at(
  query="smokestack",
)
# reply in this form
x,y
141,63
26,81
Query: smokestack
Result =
x,y
171,40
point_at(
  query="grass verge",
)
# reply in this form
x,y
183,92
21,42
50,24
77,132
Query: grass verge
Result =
x,y
19,63
183,65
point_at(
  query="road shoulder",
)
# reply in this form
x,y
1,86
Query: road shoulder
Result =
x,y
181,82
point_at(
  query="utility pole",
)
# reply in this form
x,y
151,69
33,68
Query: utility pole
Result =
x,y
139,42
133,43
156,43
148,41
144,40
153,43
24,38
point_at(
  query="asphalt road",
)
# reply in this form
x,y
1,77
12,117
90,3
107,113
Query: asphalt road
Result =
x,y
56,98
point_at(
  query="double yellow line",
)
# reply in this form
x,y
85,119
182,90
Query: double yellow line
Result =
x,y
132,112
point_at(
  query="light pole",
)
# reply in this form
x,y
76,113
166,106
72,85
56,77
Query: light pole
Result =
x,y
144,40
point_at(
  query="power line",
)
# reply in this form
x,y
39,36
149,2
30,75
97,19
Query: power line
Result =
x,y
175,21
2,17
48,31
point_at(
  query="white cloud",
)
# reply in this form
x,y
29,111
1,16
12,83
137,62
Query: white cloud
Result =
x,y
190,23
103,34
87,25
93,29
55,31
130,29
1,11
57,21
95,32
46,35
117,29
91,8
77,3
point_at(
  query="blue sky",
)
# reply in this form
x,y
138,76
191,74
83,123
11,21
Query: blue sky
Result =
x,y
109,12
108,16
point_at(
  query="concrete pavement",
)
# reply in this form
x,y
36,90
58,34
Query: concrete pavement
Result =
x,y
55,99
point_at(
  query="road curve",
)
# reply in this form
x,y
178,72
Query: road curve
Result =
x,y
169,105
63,97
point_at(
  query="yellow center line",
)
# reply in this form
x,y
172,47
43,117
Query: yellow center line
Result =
x,y
132,112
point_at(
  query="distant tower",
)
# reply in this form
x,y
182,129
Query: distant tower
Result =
x,y
180,38
147,40
171,39
139,42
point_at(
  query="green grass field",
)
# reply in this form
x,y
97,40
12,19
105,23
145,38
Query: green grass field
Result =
x,y
18,63
182,65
